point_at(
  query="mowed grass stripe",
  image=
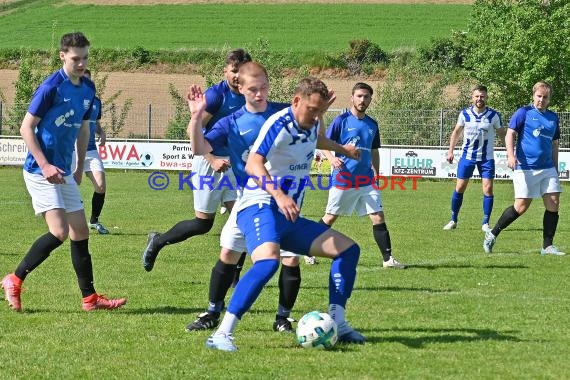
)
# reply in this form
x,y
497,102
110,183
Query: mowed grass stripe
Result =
x,y
297,28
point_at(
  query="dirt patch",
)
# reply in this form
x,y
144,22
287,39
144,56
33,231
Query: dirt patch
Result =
x,y
152,103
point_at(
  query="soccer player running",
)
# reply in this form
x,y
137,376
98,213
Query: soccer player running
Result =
x,y
535,165
238,132
57,117
478,124
268,211
352,180
222,99
93,166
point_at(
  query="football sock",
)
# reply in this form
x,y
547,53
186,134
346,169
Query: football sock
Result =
x,y
184,230
508,216
549,224
487,207
382,237
456,202
220,281
39,251
228,324
239,267
81,260
342,275
250,286
96,206
289,284
337,313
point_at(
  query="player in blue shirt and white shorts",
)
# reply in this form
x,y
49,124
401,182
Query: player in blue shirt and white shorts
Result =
x,y
478,124
268,212
57,117
535,165
352,180
222,99
93,166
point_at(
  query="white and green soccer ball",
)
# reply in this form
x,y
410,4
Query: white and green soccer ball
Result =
x,y
317,330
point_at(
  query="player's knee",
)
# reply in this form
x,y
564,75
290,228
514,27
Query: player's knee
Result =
x,y
228,256
292,261
203,225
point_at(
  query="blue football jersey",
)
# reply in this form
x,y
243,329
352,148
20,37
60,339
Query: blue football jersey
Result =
x,y
95,115
535,130
221,101
347,129
237,132
62,107
479,133
289,152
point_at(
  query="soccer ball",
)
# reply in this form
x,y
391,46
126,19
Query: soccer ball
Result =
x,y
317,330
146,159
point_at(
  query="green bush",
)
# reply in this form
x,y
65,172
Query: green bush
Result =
x,y
446,52
362,55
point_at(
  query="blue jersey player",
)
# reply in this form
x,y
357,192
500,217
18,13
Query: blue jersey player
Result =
x,y
222,100
535,165
352,180
57,117
268,212
237,132
478,124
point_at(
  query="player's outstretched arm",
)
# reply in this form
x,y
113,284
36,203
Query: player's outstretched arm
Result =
x,y
324,143
197,105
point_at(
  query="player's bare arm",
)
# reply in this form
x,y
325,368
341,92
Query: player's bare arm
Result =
x,y
255,167
453,141
510,145
81,149
52,173
324,143
101,133
197,105
555,148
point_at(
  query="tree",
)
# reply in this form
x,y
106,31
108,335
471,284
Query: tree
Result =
x,y
516,43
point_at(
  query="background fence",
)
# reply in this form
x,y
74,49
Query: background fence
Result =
x,y
430,128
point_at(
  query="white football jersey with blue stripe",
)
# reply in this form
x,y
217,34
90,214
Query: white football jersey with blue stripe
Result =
x,y
479,133
289,151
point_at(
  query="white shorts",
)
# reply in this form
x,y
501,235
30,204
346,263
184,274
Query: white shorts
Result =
x,y
233,239
211,188
48,196
536,183
92,162
364,200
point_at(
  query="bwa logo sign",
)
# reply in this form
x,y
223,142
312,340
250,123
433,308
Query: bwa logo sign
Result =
x,y
412,163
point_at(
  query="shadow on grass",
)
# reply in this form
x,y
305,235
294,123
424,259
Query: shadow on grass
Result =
x,y
163,310
444,335
464,266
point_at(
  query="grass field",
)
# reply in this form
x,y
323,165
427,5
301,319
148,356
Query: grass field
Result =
x,y
455,313
296,28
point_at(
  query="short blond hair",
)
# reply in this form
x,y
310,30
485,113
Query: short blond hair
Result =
x,y
542,84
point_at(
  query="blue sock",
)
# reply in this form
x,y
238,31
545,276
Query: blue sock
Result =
x,y
342,275
250,285
456,202
487,208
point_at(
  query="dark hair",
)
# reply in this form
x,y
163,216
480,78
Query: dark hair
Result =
x,y
479,87
309,86
362,86
76,39
237,57
251,68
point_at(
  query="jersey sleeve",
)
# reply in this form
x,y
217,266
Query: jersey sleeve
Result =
x,y
333,131
267,137
100,111
497,123
42,101
217,136
461,119
376,138
214,99
518,119
557,131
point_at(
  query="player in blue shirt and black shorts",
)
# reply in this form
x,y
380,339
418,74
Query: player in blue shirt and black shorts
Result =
x,y
535,165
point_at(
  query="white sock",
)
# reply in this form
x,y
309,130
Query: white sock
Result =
x,y
228,325
337,313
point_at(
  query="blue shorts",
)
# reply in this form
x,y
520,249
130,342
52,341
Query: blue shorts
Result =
x,y
466,167
266,224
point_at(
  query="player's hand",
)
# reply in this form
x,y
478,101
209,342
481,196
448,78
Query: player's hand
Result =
x,y
331,100
220,165
337,163
288,207
352,151
196,100
53,174
450,157
512,162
